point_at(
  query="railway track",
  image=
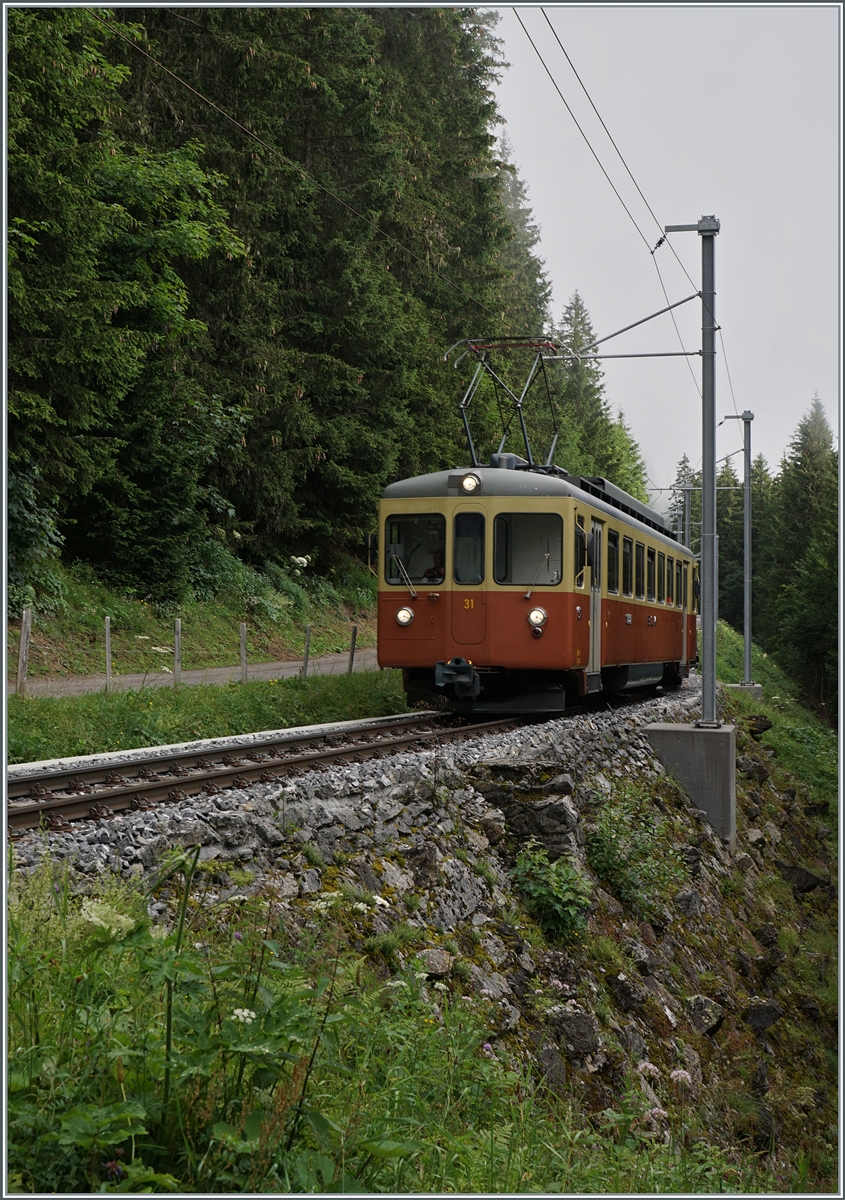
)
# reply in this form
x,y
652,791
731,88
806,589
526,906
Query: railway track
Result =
x,y
52,798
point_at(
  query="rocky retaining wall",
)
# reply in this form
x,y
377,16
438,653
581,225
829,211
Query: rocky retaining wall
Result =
x,y
685,986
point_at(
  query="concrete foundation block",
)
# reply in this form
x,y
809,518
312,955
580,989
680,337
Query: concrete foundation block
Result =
x,y
754,690
704,763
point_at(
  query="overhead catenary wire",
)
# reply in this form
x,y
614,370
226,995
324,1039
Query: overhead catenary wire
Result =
x,y
604,172
295,166
663,236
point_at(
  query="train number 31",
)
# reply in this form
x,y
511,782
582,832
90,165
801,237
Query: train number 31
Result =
x,y
469,603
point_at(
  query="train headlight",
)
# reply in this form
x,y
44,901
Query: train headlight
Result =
x,y
537,617
405,616
470,484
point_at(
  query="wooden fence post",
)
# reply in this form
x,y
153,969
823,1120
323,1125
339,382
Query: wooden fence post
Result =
x,y
108,654
23,651
243,653
352,649
177,652
307,649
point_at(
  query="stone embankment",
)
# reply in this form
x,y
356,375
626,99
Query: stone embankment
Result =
x,y
695,971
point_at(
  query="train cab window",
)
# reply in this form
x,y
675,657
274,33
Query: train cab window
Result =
x,y
627,567
670,579
415,548
613,561
640,571
469,547
661,578
680,585
650,576
580,551
528,549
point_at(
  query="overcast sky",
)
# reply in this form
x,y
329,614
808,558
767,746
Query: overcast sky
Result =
x,y
728,110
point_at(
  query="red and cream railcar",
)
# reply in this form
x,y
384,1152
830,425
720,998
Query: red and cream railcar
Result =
x,y
511,589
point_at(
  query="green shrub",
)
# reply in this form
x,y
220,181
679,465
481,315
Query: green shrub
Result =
x,y
555,893
634,855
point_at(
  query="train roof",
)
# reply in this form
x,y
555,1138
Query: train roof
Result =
x,y
552,482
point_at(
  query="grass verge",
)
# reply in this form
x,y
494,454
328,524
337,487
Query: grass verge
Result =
x,y
55,727
804,745
70,639
217,1053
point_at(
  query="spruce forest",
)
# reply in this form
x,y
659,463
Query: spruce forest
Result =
x,y
240,242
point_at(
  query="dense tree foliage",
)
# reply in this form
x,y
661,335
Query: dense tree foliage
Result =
x,y
241,240
795,554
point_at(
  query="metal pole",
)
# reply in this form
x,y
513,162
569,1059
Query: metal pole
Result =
x,y
688,517
243,653
307,649
108,654
23,651
352,649
746,418
177,652
708,227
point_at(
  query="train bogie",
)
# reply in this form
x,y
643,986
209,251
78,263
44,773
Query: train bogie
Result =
x,y
519,590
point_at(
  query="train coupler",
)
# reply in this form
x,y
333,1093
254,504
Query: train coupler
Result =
x,y
462,674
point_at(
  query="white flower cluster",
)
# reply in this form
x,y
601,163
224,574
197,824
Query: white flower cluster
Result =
x,y
107,918
440,987
300,562
364,907
396,983
648,1068
245,1015
326,901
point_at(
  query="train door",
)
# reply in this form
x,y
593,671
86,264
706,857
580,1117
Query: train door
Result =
x,y
594,559
469,586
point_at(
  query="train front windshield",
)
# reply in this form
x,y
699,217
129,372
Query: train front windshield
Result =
x,y
416,546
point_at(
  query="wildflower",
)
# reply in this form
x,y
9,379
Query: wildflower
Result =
x,y
440,987
421,974
245,1015
657,1114
487,1050
239,937
113,1170
395,983
681,1076
487,992
361,907
555,983
648,1068
107,918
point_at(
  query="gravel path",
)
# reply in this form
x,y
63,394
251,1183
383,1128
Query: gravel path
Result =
x,y
78,685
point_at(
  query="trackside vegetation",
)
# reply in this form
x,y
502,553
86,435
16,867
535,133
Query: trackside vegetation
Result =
x,y
227,1053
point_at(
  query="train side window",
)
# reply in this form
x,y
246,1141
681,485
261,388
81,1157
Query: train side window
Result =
x,y
661,577
670,579
415,548
580,551
627,567
650,575
696,590
469,547
528,549
640,571
613,561
680,585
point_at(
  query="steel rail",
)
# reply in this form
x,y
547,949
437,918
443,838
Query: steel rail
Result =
x,y
45,808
